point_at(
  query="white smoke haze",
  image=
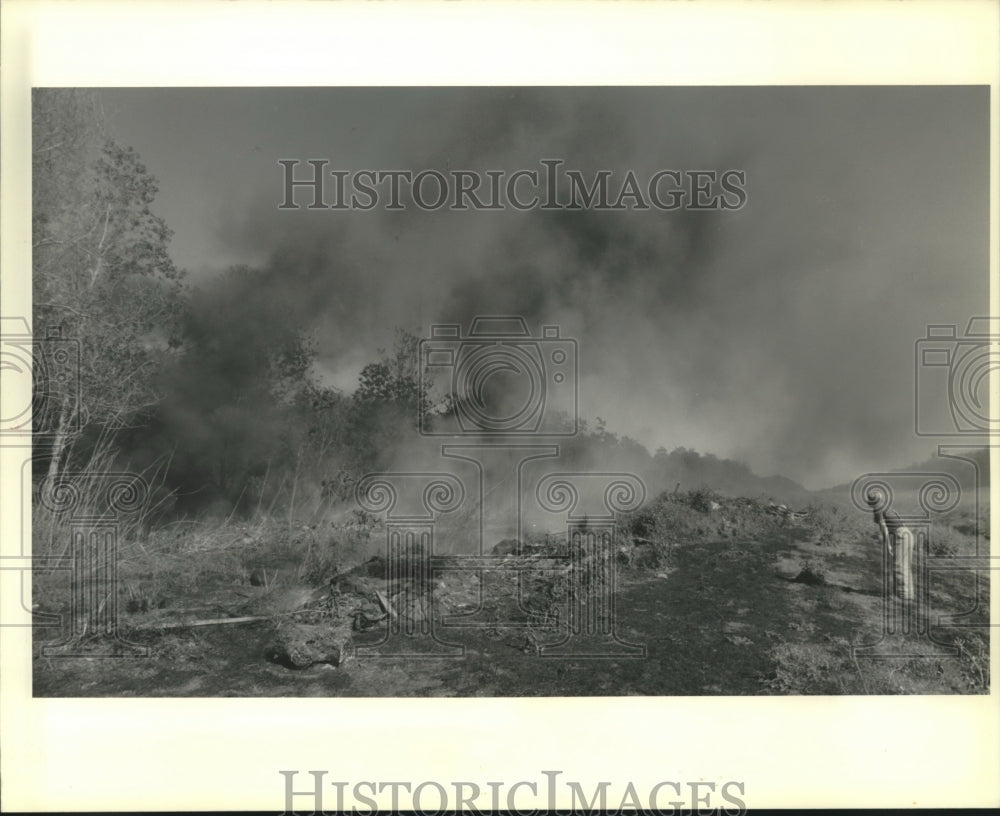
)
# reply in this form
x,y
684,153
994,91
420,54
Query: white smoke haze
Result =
x,y
780,334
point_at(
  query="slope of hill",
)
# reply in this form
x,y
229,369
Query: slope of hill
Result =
x,y
964,471
680,469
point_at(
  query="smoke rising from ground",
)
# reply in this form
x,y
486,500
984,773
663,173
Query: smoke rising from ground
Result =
x,y
780,334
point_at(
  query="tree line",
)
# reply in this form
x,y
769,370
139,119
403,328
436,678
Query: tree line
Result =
x,y
211,392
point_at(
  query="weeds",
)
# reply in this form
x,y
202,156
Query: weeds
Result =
x,y
188,565
703,499
811,573
975,654
805,668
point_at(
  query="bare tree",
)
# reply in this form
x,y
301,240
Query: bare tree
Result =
x,y
101,270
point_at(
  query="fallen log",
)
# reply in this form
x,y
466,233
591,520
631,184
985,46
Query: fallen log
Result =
x,y
205,622
217,621
385,604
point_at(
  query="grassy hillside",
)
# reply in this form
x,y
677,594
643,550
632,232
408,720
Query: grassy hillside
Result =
x,y
726,595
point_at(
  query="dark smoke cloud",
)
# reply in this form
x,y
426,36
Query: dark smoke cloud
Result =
x,y
780,334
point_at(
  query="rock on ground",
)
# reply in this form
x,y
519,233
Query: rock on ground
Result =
x,y
300,645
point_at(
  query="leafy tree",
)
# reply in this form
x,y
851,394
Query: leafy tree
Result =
x,y
237,387
388,404
395,377
102,274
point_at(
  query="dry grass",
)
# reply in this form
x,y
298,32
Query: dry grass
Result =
x,y
702,580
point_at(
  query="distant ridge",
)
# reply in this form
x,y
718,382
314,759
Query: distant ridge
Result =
x,y
681,469
783,487
960,469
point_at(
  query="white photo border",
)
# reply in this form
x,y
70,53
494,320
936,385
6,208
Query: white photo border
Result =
x,y
142,754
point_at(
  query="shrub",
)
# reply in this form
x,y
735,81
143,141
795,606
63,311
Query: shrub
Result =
x,y
702,499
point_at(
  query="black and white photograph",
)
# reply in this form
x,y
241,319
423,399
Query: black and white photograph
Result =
x,y
505,390
513,391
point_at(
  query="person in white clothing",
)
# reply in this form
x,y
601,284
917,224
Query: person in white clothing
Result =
x,y
897,539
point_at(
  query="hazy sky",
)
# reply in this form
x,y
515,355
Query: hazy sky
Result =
x,y
781,334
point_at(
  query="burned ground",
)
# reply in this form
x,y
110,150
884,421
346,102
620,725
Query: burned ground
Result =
x,y
729,596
